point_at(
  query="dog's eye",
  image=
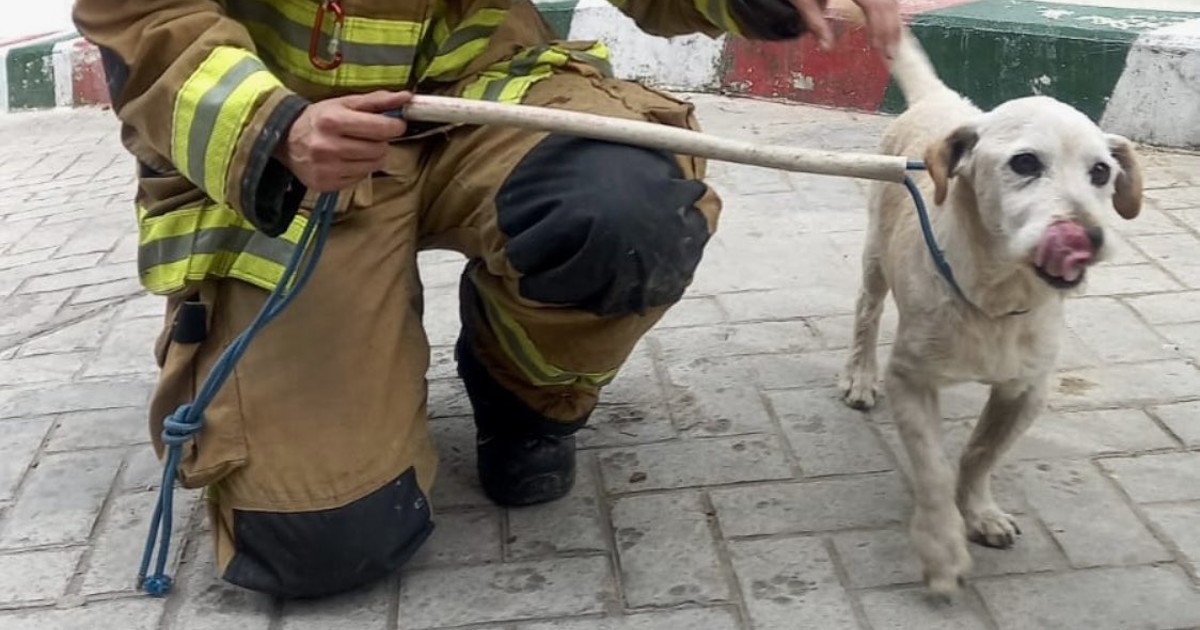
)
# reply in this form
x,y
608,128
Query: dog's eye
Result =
x,y
1100,174
1026,165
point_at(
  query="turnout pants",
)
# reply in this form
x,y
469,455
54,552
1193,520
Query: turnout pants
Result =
x,y
315,455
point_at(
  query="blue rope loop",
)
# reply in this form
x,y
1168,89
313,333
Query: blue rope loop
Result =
x,y
186,421
939,258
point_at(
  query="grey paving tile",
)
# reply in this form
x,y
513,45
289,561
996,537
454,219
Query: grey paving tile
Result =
x,y
886,557
1100,599
829,504
20,441
791,583
689,619
141,613
1183,420
668,551
1088,517
120,538
507,592
1154,478
31,576
911,608
61,499
103,428
364,609
461,538
570,525
828,437
689,463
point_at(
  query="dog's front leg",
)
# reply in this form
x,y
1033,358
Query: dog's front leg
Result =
x,y
937,529
1010,409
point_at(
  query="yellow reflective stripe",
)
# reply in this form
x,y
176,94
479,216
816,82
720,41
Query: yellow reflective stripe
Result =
x,y
521,349
211,110
355,29
458,48
376,52
508,81
295,61
171,277
717,12
233,117
210,240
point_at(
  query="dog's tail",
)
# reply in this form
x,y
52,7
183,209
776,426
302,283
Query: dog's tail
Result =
x,y
910,66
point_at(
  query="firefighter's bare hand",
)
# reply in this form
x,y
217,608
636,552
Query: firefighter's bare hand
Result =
x,y
338,142
882,18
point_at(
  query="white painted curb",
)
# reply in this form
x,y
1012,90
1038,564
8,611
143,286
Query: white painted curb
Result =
x,y
687,63
1157,99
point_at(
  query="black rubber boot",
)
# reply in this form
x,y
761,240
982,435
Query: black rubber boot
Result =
x,y
520,462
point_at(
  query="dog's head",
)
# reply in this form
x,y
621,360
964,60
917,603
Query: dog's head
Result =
x,y
1043,177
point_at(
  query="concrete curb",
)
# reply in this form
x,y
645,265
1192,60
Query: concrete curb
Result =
x,y
50,70
1133,71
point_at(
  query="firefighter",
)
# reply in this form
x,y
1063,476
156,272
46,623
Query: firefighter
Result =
x,y
315,457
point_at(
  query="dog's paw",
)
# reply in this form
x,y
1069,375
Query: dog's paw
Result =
x,y
940,540
943,587
859,389
992,527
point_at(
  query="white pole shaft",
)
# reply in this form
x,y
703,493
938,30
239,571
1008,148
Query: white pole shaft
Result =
x,y
654,136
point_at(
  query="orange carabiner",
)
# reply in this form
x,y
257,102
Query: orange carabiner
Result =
x,y
335,40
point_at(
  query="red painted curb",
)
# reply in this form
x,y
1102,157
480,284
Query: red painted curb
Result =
x,y
88,84
852,75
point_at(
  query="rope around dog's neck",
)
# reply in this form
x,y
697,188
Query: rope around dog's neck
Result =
x,y
935,252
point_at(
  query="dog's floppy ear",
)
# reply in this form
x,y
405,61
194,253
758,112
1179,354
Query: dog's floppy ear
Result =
x,y
941,159
1127,198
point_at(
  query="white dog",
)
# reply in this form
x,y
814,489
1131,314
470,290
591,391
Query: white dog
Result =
x,y
1018,195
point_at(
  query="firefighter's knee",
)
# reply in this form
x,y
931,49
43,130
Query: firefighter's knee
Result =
x,y
604,227
324,552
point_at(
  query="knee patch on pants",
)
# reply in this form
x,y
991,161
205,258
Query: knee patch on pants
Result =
x,y
604,227
325,552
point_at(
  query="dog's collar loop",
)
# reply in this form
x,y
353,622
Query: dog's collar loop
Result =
x,y
935,252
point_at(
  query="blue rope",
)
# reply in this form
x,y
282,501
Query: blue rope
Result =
x,y
188,419
939,259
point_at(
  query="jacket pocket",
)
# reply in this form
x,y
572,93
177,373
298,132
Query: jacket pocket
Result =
x,y
187,350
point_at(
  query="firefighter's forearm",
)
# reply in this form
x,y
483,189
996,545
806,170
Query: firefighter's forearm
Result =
x,y
195,99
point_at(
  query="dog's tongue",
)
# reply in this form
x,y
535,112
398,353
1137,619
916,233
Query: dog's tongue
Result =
x,y
1064,250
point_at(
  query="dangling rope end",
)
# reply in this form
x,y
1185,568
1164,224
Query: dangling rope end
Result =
x,y
157,585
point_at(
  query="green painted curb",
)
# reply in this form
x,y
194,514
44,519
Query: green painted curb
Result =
x,y
996,50
558,14
31,74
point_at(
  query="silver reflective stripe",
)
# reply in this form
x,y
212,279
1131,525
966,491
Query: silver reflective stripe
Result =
x,y
518,68
464,36
297,36
205,119
599,63
210,241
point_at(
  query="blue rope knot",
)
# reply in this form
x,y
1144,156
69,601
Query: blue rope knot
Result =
x,y
181,425
157,585
186,421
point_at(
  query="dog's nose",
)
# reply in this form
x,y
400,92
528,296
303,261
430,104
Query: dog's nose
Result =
x,y
1095,236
